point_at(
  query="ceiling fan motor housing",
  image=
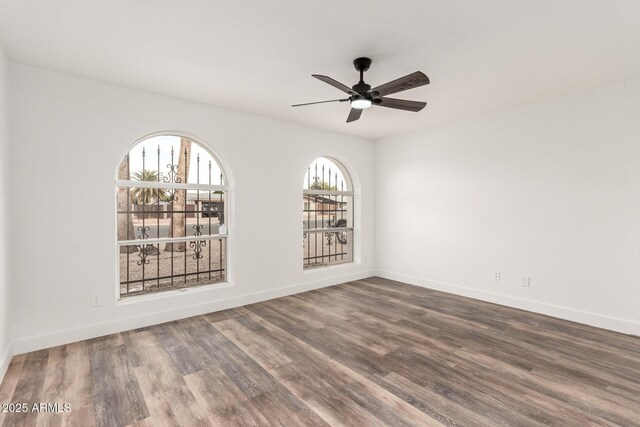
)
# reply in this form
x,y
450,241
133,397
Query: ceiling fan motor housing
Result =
x,y
361,87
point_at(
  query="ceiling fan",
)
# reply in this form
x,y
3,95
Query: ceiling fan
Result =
x,y
361,96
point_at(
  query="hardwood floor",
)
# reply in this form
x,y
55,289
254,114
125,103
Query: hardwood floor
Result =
x,y
365,353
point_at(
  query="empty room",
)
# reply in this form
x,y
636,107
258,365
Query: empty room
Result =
x,y
331,213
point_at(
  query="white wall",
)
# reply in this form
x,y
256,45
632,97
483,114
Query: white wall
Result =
x,y
68,135
5,291
549,190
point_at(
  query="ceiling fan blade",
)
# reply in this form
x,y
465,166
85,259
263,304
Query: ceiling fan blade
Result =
x,y
321,102
401,104
336,84
410,81
354,115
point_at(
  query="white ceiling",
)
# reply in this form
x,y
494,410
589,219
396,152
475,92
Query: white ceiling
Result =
x,y
258,55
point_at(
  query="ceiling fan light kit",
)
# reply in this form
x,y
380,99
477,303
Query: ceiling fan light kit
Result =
x,y
361,103
361,96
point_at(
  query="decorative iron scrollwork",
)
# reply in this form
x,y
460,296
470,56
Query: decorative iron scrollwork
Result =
x,y
143,232
197,247
145,251
172,175
329,237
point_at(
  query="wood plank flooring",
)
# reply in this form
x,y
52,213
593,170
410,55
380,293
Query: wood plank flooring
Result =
x,y
365,353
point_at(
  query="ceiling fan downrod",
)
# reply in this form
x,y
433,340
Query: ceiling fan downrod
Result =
x,y
361,65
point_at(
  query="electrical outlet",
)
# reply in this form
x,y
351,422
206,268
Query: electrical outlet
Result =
x,y
526,281
96,300
497,275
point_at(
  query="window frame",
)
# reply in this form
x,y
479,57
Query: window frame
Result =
x,y
186,187
350,192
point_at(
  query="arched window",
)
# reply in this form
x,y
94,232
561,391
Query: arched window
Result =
x,y
327,214
171,213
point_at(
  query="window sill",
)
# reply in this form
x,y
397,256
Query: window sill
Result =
x,y
173,293
312,271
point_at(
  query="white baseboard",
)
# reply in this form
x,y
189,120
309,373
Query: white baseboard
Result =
x,y
5,360
38,342
588,318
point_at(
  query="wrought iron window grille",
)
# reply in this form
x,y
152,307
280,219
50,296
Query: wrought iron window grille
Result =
x,y
328,201
169,218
